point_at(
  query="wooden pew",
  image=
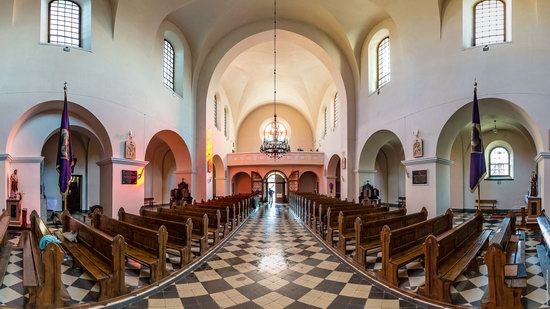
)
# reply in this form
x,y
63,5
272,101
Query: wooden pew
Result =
x,y
346,223
404,245
333,214
448,255
322,213
179,234
200,225
215,225
504,292
367,233
42,270
145,246
492,204
4,223
225,214
102,256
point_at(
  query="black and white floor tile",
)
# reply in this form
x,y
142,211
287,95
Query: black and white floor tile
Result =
x,y
273,262
470,287
80,286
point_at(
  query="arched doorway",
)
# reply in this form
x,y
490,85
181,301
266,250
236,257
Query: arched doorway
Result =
x,y
218,176
169,164
309,182
84,186
34,136
241,183
380,165
334,176
505,127
278,182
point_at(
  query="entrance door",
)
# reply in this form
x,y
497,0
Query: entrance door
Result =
x,y
277,182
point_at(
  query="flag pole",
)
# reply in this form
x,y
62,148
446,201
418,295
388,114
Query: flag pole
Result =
x,y
479,196
65,200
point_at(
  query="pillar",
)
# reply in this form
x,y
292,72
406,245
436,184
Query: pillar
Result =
x,y
543,164
114,194
436,194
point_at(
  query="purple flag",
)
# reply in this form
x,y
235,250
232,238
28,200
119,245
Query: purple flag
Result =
x,y
477,157
64,149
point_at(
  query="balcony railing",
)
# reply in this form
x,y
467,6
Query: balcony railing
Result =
x,y
292,158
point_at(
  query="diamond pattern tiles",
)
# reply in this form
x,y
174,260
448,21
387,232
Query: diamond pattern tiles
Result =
x,y
273,262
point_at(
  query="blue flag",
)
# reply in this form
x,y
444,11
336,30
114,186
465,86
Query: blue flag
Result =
x,y
64,149
477,157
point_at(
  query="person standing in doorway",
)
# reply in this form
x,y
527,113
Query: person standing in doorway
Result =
x,y
270,199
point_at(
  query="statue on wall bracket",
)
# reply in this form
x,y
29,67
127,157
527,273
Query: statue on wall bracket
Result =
x,y
418,146
130,147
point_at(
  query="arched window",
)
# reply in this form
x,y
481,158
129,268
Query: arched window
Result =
x,y
489,22
168,65
216,111
64,23
499,162
269,131
335,110
325,121
225,124
383,65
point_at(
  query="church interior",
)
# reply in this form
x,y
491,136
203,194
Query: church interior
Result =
x,y
274,154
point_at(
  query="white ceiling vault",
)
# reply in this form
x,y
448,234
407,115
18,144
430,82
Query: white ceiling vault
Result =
x,y
206,22
302,80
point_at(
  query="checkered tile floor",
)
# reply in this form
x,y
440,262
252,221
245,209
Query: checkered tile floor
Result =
x,y
470,287
80,286
273,262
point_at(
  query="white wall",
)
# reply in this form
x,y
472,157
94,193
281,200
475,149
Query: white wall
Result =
x,y
509,193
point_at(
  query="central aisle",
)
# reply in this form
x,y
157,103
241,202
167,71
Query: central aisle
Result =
x,y
273,262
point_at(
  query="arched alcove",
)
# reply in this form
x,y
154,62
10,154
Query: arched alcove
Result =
x,y
32,143
241,183
309,182
512,129
380,165
218,176
169,163
334,177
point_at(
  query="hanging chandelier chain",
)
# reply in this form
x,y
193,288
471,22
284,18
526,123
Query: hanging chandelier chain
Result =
x,y
275,59
275,144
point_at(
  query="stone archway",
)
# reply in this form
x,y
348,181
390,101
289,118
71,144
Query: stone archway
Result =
x,y
30,150
218,177
169,164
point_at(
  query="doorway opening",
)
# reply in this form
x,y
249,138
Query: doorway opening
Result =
x,y
278,183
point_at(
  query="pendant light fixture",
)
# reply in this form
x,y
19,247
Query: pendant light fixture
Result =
x,y
275,144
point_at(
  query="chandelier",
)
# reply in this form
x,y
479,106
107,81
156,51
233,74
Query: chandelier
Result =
x,y
275,144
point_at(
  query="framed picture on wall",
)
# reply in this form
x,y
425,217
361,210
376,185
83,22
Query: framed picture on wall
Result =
x,y
129,177
420,177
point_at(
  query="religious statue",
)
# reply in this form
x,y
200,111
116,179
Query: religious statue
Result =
x,y
14,184
130,152
533,184
418,151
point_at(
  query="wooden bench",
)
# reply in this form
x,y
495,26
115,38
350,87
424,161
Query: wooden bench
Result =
x,y
333,215
504,291
335,209
404,245
492,204
215,225
149,201
179,234
145,246
42,270
448,255
346,223
367,233
103,257
200,225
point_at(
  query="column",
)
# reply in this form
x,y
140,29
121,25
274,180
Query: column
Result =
x,y
28,172
435,195
543,163
113,193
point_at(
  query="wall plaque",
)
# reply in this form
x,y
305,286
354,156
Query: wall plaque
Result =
x,y
420,177
129,177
